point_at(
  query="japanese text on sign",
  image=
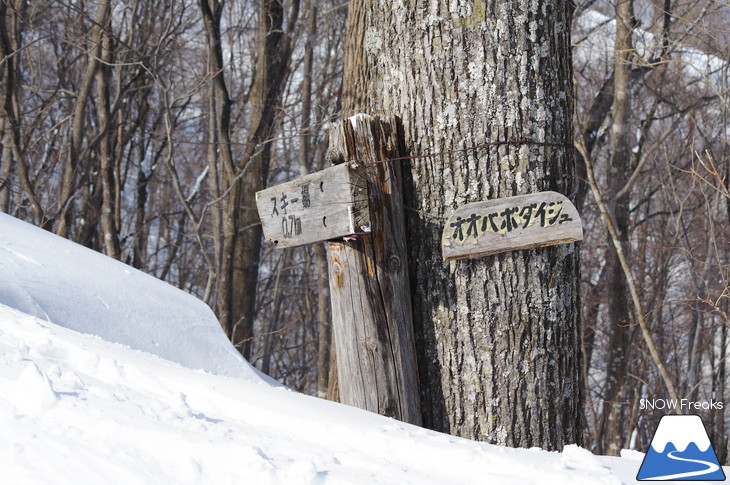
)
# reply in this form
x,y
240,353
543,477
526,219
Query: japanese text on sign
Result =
x,y
506,220
291,225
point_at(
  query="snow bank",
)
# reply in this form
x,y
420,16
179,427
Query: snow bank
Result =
x,y
56,280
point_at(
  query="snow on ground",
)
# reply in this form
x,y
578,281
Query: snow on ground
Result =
x,y
57,280
144,388
78,410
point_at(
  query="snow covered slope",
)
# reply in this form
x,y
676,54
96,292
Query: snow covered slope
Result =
x,y
76,408
72,286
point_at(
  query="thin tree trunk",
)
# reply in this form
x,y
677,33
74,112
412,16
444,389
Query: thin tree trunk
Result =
x,y
306,120
324,340
139,244
7,163
618,393
323,319
221,159
719,438
274,52
8,120
269,328
109,229
73,156
11,39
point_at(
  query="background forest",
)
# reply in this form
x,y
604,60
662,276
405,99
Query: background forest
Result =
x,y
142,129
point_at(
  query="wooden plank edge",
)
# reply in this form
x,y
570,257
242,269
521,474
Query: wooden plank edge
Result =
x,y
482,254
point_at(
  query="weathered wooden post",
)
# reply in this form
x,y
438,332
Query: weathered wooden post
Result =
x,y
360,198
369,287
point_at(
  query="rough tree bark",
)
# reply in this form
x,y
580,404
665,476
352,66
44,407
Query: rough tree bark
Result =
x,y
498,337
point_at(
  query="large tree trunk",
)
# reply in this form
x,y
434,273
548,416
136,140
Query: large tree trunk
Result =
x,y
488,86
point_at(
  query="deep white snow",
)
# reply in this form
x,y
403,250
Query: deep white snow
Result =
x,y
59,281
109,376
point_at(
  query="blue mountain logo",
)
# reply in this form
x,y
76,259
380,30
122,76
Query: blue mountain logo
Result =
x,y
681,450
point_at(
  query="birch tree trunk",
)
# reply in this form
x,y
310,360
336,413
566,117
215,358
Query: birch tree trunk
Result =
x,y
497,337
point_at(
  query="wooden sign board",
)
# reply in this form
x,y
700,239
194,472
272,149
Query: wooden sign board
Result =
x,y
521,222
320,206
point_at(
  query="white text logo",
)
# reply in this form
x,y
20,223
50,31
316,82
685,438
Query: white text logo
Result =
x,y
679,404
